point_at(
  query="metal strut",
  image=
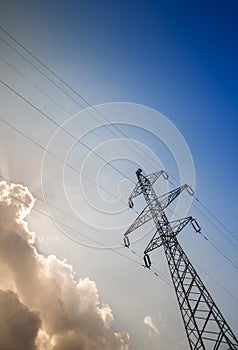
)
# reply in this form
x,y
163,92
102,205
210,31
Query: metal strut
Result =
x,y
205,326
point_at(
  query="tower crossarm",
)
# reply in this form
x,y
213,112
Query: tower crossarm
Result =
x,y
144,217
169,232
169,197
152,178
165,200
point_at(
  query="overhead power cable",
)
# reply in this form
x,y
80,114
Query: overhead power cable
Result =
x,y
30,139
59,159
211,242
211,214
216,218
53,121
155,272
122,133
220,251
216,227
62,128
88,104
217,283
73,91
36,86
68,165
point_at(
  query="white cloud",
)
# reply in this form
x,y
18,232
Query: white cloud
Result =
x,y
150,323
62,313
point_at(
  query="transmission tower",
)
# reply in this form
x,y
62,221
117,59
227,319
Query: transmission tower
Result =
x,y
205,326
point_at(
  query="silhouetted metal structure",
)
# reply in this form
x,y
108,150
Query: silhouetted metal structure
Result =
x,y
205,326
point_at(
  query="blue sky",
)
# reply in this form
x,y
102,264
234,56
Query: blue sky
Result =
x,y
177,57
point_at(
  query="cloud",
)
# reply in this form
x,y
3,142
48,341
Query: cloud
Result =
x,y
150,323
18,325
64,313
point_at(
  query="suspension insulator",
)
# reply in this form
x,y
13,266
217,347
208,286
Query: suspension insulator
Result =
x,y
126,241
130,203
190,190
147,261
165,175
196,226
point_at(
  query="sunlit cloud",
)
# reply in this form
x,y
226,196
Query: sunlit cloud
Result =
x,y
39,296
150,323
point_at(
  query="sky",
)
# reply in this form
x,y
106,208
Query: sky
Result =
x,y
165,73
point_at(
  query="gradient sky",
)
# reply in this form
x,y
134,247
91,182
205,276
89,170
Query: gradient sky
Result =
x,y
177,57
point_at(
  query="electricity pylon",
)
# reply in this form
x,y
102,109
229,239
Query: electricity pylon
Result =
x,y
205,326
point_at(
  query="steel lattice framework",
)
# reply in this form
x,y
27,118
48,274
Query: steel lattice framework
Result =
x,y
205,326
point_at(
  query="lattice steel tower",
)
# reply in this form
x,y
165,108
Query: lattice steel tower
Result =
x,y
205,326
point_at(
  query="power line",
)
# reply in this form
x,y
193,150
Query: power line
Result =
x,y
70,216
35,86
212,214
61,127
52,154
210,242
68,165
205,272
40,71
219,250
72,90
217,228
206,217
216,218
90,105
217,283
43,92
67,226
210,221
62,81
58,158
73,99
153,270
156,272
